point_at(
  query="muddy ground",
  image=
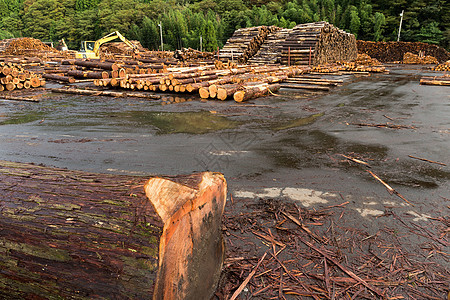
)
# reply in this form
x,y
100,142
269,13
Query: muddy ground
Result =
x,y
286,148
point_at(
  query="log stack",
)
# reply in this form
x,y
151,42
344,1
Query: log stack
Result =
x,y
23,46
112,50
410,58
270,51
443,67
245,42
394,51
13,76
189,54
318,43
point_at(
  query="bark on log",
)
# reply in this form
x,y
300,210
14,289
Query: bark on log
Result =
x,y
59,78
255,92
76,235
97,64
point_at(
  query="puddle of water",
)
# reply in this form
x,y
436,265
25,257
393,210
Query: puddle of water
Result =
x,y
306,197
182,122
299,122
22,118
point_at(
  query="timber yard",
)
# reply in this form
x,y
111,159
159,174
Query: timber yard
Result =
x,y
290,164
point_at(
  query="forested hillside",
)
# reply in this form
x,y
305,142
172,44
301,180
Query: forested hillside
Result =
x,y
184,21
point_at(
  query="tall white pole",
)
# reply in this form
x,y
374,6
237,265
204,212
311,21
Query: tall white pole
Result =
x,y
400,28
160,31
201,42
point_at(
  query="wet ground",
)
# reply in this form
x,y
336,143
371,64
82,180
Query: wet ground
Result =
x,y
285,147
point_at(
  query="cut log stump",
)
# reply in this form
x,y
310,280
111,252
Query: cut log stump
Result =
x,y
76,235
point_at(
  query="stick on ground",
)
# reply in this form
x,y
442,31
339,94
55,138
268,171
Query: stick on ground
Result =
x,y
389,188
246,281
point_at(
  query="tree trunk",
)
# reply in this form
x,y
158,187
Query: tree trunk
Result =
x,y
77,235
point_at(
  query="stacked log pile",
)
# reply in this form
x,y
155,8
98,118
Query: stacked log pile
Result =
x,y
363,63
443,67
31,48
410,58
209,82
189,54
20,46
13,76
394,51
114,49
245,42
318,43
270,51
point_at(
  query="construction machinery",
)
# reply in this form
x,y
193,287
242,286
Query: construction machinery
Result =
x,y
91,49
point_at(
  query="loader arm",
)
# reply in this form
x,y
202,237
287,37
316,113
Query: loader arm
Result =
x,y
112,36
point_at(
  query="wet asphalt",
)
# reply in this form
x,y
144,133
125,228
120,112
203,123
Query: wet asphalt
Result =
x,y
287,146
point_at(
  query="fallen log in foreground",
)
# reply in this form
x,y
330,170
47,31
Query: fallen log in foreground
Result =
x,y
74,235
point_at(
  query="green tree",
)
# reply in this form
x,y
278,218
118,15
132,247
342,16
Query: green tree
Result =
x,y
43,19
210,37
380,21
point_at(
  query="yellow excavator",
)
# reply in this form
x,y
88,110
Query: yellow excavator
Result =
x,y
91,49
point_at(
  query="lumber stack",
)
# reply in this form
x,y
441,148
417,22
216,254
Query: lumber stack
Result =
x,y
270,51
245,42
13,76
394,51
410,58
318,43
443,67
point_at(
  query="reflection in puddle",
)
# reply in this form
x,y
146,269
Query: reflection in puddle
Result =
x,y
21,118
299,122
182,122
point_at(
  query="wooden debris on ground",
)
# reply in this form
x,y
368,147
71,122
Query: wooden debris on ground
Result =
x,y
394,51
427,160
387,125
346,262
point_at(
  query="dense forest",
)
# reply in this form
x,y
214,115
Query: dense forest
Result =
x,y
183,22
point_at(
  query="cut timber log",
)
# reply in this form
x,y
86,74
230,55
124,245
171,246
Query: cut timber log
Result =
x,y
255,92
89,74
59,78
435,82
97,64
75,235
191,248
